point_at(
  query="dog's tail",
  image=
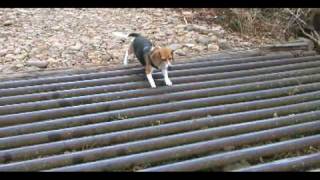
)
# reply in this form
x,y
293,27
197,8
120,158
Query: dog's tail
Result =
x,y
134,35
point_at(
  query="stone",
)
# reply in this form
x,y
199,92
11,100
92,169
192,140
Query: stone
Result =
x,y
213,38
189,45
37,63
9,56
19,65
223,44
189,27
3,52
203,40
175,46
199,48
180,52
213,47
76,47
7,23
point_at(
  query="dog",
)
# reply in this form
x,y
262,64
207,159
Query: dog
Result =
x,y
150,57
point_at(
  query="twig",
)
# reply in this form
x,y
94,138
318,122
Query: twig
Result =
x,y
185,20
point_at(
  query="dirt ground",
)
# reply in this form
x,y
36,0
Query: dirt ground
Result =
x,y
49,38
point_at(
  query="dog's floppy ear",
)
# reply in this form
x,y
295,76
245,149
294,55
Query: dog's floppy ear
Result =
x,y
156,54
162,53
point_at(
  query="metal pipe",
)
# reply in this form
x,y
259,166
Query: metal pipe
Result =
x,y
189,150
177,81
104,139
133,70
43,137
57,103
247,153
29,117
104,81
162,142
156,119
291,164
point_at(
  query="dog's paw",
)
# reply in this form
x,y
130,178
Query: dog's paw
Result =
x,y
169,83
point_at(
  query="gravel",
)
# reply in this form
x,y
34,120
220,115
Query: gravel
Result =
x,y
72,38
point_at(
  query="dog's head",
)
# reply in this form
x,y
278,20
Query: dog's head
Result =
x,y
163,54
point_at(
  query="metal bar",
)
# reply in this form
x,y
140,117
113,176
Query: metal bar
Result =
x,y
43,137
177,81
199,148
156,119
161,142
234,156
103,81
291,164
42,105
28,117
103,139
133,70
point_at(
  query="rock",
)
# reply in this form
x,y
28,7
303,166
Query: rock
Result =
x,y
9,68
187,13
19,65
76,47
37,63
213,47
9,56
189,45
175,46
189,27
199,48
180,26
56,28
213,38
223,44
203,40
7,23
3,52
21,57
120,35
106,57
180,52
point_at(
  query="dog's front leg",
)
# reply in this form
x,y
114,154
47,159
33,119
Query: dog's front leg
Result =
x,y
166,77
149,71
125,60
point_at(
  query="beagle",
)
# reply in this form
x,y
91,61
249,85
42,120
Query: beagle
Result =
x,y
150,57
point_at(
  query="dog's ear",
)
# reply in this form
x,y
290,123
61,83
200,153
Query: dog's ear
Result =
x,y
162,54
156,54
